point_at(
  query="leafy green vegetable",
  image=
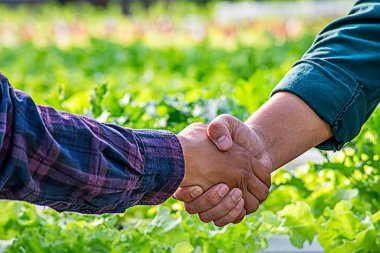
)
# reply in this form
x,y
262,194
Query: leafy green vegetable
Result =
x,y
340,230
156,73
300,223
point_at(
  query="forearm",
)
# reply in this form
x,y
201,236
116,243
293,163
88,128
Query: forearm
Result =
x,y
288,127
73,163
335,87
338,76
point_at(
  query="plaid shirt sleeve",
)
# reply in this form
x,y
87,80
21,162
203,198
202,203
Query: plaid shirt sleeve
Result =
x,y
73,163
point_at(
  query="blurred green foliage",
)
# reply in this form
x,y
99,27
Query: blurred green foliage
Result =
x,y
166,79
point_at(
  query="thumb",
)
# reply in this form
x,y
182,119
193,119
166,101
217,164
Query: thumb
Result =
x,y
220,131
188,193
234,131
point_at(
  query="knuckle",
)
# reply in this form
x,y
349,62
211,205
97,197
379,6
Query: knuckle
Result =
x,y
225,116
226,207
223,119
212,200
214,129
228,117
214,126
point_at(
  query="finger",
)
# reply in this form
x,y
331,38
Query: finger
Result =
x,y
258,188
231,216
235,131
220,133
241,216
261,172
188,194
207,200
226,206
251,203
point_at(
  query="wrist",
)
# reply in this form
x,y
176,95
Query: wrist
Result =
x,y
288,127
183,141
191,174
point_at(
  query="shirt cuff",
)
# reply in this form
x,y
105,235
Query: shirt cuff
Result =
x,y
332,93
164,165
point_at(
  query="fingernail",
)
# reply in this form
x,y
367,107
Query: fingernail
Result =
x,y
196,193
236,194
223,142
223,190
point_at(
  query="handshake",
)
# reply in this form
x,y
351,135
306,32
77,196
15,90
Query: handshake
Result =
x,y
229,154
224,155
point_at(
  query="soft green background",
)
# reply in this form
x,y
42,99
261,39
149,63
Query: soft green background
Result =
x,y
162,71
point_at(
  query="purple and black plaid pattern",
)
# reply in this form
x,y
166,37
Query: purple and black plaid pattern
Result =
x,y
73,163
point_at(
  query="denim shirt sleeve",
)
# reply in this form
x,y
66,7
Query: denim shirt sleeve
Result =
x,y
339,76
73,163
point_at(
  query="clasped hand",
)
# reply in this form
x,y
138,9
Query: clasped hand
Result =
x,y
223,155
